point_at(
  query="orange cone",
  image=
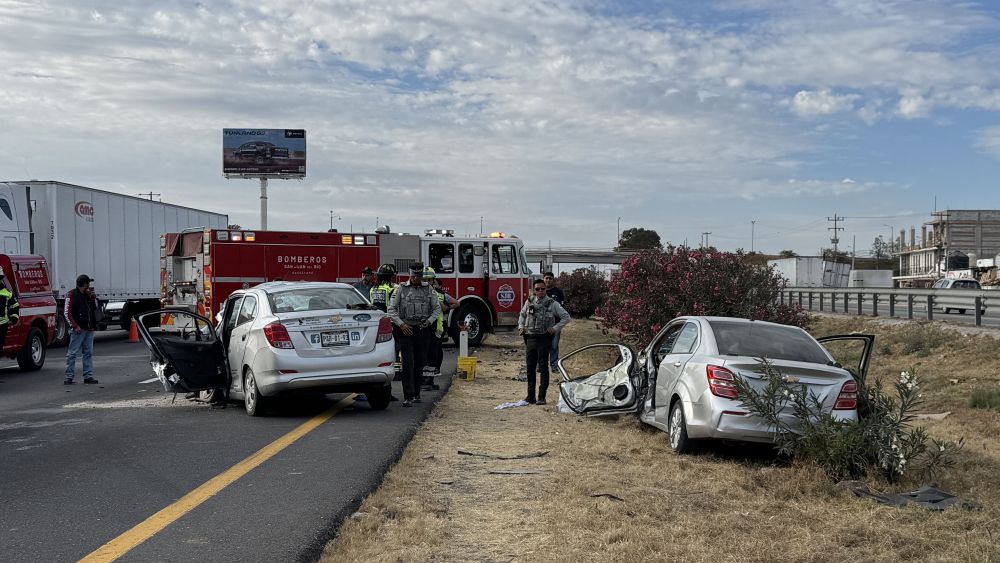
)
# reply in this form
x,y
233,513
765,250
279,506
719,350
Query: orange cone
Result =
x,y
133,332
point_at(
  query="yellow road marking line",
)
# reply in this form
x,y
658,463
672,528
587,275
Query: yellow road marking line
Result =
x,y
152,525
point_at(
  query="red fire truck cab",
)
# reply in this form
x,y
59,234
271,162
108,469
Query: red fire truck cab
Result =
x,y
489,275
27,277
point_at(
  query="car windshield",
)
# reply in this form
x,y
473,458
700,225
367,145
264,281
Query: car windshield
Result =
x,y
774,342
317,299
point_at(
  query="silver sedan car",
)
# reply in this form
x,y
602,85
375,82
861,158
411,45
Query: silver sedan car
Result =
x,y
277,338
682,382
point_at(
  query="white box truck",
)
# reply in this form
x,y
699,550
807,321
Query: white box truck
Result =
x,y
111,237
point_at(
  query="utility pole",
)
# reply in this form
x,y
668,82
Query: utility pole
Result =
x,y
150,196
753,223
618,241
892,230
854,250
332,215
835,238
480,225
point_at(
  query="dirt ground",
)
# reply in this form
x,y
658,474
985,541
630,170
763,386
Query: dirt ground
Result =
x,y
611,490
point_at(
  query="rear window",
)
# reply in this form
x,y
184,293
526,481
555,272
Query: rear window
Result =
x,y
317,299
774,342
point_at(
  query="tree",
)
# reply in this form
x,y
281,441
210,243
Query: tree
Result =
x,y
584,289
638,238
880,250
654,287
787,254
234,227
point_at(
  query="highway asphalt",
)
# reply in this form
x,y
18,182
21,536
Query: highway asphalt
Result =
x,y
82,464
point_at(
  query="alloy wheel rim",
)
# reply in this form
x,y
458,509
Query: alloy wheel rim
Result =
x,y
675,428
251,391
36,350
472,325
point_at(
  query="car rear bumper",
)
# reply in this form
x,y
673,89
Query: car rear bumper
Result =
x,y
723,419
281,371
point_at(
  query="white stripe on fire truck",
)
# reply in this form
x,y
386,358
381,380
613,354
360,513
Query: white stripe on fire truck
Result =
x,y
239,280
51,310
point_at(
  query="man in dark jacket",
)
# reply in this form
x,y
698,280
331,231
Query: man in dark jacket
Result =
x,y
81,318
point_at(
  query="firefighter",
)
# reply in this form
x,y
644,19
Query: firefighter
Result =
x,y
380,294
414,310
9,310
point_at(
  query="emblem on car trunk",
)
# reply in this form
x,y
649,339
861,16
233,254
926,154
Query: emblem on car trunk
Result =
x,y
362,317
336,319
790,379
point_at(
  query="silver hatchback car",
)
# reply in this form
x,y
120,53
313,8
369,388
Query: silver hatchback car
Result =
x,y
682,382
277,338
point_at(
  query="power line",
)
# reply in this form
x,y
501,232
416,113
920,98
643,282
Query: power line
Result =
x,y
835,238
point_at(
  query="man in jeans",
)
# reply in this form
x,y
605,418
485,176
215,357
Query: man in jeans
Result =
x,y
81,318
540,320
556,293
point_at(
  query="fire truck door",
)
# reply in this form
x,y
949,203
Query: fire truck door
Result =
x,y
506,287
441,256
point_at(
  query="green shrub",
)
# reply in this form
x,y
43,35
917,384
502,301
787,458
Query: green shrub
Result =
x,y
882,442
985,399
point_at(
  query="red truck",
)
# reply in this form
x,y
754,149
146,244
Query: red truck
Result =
x,y
489,275
27,277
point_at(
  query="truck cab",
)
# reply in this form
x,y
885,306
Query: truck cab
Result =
x,y
27,277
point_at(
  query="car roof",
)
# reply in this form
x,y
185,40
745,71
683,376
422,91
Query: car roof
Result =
x,y
741,320
275,286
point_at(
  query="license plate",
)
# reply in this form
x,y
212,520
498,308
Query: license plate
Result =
x,y
336,338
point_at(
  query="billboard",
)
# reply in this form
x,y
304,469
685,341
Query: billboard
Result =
x,y
264,152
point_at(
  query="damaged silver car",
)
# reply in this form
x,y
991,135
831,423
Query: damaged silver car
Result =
x,y
683,381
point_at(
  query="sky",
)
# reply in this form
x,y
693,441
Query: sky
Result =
x,y
558,121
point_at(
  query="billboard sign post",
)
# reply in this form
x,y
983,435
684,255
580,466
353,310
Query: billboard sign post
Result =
x,y
263,154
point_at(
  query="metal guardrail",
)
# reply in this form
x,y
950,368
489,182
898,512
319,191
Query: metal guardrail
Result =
x,y
866,301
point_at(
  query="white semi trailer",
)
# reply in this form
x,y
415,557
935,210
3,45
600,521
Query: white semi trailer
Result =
x,y
111,237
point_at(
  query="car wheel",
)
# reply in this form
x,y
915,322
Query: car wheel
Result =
x,y
61,337
252,400
379,398
32,356
677,430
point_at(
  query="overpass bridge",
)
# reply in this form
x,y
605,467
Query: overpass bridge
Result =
x,y
546,257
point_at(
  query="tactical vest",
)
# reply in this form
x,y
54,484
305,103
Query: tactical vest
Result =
x,y
413,303
540,318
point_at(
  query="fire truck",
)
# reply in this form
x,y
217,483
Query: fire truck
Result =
x,y
27,277
487,274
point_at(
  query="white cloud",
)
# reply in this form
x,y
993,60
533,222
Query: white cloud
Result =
x,y
988,140
807,103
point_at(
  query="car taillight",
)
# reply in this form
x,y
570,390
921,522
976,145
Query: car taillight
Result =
x,y
384,330
721,382
277,336
848,397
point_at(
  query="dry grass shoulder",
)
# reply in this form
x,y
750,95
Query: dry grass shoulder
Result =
x,y
611,490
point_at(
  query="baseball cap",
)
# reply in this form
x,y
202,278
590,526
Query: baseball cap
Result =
x,y
367,270
82,279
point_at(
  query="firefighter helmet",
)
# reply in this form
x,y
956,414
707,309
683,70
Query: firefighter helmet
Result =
x,y
386,270
429,273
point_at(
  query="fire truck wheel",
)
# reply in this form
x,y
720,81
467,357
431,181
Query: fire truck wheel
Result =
x,y
477,323
379,398
61,337
252,400
32,356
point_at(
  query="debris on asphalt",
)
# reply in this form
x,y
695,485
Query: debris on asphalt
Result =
x,y
928,496
504,457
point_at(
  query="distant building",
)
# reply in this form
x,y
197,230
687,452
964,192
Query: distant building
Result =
x,y
961,235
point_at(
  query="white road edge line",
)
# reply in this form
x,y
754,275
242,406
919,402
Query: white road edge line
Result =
x,y
150,380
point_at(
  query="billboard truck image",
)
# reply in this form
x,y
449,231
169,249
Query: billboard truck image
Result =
x,y
264,152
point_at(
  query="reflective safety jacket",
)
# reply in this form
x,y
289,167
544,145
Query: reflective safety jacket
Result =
x,y
9,307
380,295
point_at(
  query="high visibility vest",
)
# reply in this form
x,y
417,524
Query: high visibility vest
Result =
x,y
380,295
9,307
440,327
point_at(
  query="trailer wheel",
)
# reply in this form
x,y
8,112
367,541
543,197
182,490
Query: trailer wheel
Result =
x,y
61,337
32,356
476,320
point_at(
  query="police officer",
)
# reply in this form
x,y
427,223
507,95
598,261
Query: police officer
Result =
x,y
541,318
9,310
379,294
414,310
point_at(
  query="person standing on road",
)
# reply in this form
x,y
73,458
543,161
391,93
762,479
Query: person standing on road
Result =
x,y
9,309
381,292
538,324
413,309
435,351
367,281
555,293
81,317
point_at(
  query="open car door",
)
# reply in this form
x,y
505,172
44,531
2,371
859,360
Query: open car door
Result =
x,y
851,351
610,391
186,352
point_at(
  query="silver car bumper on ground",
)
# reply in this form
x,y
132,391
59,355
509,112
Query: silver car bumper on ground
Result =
x,y
278,371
